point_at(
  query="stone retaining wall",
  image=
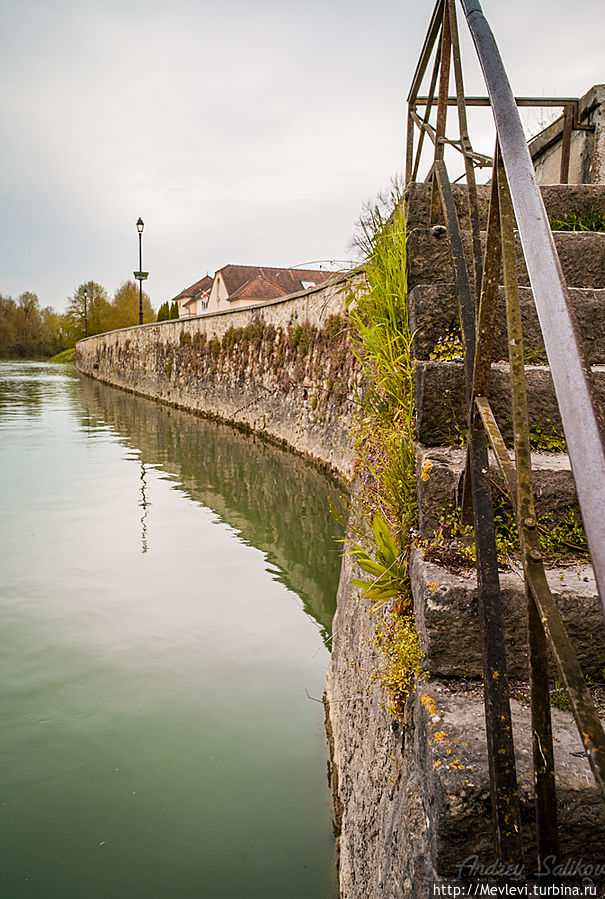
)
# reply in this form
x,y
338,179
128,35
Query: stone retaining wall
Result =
x,y
283,368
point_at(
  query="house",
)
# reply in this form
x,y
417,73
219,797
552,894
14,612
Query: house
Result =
x,y
191,300
243,285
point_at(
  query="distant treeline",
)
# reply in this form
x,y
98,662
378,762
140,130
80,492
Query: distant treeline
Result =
x,y
26,330
29,331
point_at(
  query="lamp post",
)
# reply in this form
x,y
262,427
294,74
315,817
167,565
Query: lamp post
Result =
x,y
140,275
85,312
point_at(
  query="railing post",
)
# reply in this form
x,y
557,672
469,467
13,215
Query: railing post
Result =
x,y
568,120
409,145
543,752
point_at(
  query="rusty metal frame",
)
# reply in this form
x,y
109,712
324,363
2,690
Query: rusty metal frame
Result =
x,y
515,204
498,720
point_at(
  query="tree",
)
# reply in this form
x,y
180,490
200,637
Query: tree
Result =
x,y
8,327
95,305
164,312
125,306
26,330
174,310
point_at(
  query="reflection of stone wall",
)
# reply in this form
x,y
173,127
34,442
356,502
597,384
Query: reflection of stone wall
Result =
x,y
284,368
276,501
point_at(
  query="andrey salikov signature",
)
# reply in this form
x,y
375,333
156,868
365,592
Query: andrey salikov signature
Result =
x,y
550,867
478,879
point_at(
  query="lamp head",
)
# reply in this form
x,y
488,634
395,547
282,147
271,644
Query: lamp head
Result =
x,y
140,225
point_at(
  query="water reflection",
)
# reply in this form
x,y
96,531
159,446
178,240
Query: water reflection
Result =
x,y
157,736
274,500
26,386
144,504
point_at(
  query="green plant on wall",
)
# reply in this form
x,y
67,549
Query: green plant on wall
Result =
x,y
385,444
388,570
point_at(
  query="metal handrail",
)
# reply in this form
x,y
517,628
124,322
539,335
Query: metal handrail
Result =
x,y
582,423
516,201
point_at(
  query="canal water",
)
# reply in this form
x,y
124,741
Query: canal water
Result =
x,y
167,591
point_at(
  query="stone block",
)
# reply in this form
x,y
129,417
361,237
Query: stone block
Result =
x,y
439,482
447,617
450,740
441,404
581,254
433,310
559,199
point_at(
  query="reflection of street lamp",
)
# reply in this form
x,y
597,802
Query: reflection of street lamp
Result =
x,y
85,313
140,275
144,504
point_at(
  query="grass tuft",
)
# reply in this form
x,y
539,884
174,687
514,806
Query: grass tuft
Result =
x,y
588,220
384,437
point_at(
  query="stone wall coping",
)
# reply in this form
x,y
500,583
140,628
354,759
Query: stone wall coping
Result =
x,y
339,278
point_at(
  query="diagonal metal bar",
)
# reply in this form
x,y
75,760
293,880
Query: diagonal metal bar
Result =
x,y
465,297
507,469
543,751
488,299
498,721
425,54
427,113
409,144
444,82
587,720
478,158
465,143
440,126
580,413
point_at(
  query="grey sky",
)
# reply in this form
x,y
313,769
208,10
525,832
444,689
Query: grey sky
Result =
x,y
241,132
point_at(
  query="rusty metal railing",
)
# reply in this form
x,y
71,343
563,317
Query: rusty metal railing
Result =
x,y
515,204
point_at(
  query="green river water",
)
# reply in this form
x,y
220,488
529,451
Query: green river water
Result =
x,y
167,591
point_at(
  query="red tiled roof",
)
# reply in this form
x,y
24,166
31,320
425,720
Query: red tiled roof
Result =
x,y
268,282
259,288
193,293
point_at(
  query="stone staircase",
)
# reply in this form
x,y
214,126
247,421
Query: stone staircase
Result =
x,y
446,713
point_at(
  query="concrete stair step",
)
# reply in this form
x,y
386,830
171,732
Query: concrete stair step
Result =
x,y
433,311
560,200
582,256
439,483
447,721
441,405
447,615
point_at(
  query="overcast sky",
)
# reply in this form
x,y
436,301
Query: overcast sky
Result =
x,y
241,132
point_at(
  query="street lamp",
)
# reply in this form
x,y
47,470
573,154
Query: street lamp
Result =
x,y
140,275
85,312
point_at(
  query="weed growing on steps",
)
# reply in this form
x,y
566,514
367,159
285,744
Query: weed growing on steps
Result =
x,y
385,444
545,441
447,348
562,538
588,220
559,698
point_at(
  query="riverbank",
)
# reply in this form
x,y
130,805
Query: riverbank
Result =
x,y
282,369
